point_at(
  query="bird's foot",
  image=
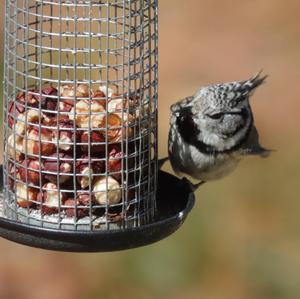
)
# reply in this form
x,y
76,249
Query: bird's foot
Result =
x,y
161,162
192,187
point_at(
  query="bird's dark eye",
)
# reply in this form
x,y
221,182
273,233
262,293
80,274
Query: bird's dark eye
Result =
x,y
215,115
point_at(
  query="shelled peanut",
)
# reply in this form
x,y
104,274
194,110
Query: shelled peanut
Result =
x,y
55,136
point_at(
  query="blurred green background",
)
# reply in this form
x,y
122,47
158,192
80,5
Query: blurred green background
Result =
x,y
242,240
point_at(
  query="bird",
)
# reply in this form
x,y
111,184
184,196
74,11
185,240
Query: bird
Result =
x,y
211,131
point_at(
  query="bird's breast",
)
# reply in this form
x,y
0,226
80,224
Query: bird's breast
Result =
x,y
211,167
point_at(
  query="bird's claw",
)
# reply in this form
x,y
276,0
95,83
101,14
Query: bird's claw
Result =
x,y
161,162
192,187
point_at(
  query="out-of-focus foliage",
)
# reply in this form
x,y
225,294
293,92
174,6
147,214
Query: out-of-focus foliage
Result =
x,y
242,240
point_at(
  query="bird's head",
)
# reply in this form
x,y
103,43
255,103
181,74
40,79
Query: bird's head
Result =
x,y
219,116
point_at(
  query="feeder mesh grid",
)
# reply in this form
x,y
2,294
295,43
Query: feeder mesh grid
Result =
x,y
80,113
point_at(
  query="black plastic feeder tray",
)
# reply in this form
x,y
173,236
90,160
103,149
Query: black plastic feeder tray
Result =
x,y
174,201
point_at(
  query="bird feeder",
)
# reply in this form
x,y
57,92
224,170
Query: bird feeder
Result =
x,y
80,169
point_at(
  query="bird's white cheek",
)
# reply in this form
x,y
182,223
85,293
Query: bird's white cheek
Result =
x,y
208,136
206,132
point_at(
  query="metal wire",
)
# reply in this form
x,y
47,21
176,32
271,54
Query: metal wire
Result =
x,y
80,113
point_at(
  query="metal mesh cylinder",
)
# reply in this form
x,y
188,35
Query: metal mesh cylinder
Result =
x,y
80,113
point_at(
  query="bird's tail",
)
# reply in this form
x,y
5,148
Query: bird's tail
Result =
x,y
253,147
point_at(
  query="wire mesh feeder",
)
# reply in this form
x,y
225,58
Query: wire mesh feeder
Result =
x,y
80,121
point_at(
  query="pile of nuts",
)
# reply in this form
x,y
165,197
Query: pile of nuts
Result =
x,y
56,147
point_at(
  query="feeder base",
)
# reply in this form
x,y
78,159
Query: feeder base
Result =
x,y
174,201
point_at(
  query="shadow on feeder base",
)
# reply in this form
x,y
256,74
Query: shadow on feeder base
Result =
x,y
174,201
